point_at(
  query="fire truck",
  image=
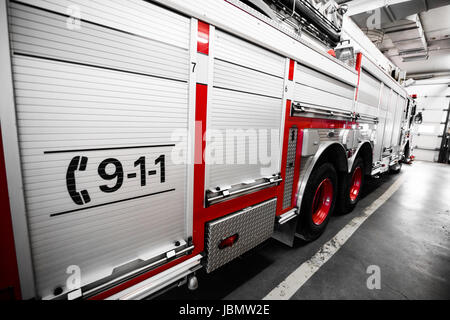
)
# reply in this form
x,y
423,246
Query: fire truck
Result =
x,y
144,140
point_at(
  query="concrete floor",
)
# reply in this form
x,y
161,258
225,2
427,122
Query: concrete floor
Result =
x,y
408,237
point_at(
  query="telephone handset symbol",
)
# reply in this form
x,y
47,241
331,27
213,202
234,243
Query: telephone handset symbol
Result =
x,y
77,164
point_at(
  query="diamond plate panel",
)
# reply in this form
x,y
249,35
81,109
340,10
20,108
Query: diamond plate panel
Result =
x,y
253,226
290,168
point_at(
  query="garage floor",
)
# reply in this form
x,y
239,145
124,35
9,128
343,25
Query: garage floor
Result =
x,y
408,238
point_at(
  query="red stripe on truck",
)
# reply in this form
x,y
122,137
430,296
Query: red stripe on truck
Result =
x,y
9,274
199,166
203,38
291,70
358,69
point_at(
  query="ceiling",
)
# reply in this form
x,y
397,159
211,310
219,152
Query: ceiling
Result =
x,y
414,34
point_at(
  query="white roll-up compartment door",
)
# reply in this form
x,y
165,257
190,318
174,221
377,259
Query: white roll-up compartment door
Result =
x,y
368,95
399,114
244,112
390,115
97,102
384,103
316,89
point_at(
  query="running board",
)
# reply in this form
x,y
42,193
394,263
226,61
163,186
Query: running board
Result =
x,y
159,282
288,216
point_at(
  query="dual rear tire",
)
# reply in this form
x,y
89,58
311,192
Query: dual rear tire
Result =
x,y
323,193
350,192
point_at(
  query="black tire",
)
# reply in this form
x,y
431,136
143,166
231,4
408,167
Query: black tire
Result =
x,y
307,228
346,202
407,154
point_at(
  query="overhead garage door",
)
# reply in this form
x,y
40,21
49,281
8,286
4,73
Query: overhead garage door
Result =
x,y
97,103
434,103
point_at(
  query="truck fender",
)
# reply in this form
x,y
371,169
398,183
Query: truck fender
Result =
x,y
364,149
311,163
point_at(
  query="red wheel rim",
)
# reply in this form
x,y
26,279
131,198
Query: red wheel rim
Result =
x,y
356,184
322,202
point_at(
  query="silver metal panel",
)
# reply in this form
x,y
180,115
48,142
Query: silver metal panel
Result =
x,y
321,81
40,33
252,226
244,112
317,97
238,51
73,117
290,168
329,134
231,76
390,115
132,16
382,75
380,127
401,105
315,88
261,30
368,95
311,141
378,143
58,117
233,114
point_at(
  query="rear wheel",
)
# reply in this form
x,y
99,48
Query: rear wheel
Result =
x,y
351,187
407,154
319,201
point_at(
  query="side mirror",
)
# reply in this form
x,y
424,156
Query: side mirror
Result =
x,y
418,119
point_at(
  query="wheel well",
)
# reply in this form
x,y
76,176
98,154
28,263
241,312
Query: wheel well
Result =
x,y
334,154
366,153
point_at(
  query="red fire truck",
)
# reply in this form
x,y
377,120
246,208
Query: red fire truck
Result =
x,y
143,140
